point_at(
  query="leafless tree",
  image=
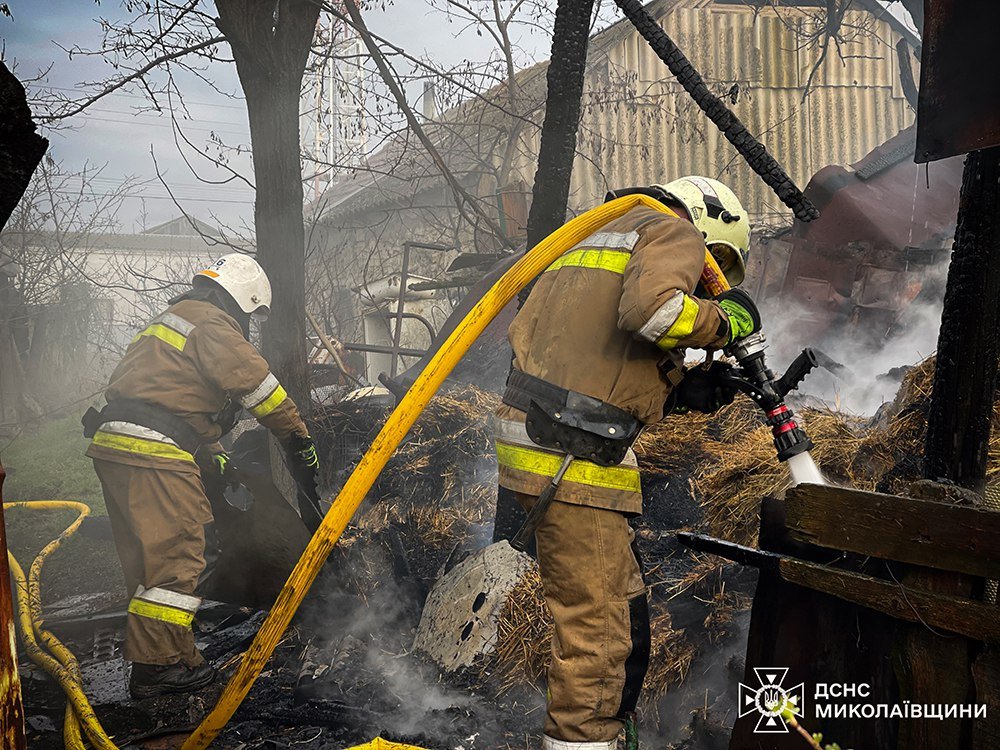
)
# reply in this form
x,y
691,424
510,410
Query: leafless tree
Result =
x,y
54,308
163,41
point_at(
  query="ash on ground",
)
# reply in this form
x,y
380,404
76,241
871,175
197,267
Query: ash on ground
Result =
x,y
346,670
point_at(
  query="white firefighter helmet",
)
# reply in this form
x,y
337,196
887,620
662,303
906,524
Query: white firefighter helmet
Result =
x,y
720,216
244,279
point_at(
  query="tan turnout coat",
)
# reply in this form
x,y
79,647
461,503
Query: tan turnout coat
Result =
x,y
191,360
611,318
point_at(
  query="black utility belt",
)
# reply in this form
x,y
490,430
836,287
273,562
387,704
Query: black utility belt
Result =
x,y
145,415
571,422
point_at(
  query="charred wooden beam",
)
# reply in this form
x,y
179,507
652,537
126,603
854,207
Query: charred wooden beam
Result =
x,y
966,617
965,376
922,532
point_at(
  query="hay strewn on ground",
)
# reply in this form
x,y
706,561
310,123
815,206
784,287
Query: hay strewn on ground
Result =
x,y
439,489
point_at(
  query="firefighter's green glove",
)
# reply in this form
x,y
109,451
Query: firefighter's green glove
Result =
x,y
304,460
744,317
222,462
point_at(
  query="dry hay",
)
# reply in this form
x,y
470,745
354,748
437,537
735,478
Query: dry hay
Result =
x,y
524,632
428,491
743,469
670,656
889,457
435,492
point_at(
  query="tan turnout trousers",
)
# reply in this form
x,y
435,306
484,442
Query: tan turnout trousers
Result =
x,y
158,518
593,587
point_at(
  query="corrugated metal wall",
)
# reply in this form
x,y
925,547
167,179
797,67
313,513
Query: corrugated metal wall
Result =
x,y
854,104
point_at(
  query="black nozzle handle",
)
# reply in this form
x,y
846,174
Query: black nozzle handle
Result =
x,y
801,366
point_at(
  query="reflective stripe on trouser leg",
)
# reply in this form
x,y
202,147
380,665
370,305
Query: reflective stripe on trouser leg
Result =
x,y
550,743
164,605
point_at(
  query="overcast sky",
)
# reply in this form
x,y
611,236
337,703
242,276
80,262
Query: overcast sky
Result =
x,y
112,133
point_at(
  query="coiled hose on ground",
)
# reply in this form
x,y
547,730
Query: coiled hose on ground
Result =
x,y
51,655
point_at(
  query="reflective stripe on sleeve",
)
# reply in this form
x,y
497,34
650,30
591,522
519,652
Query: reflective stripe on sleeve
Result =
x,y
678,329
119,440
176,322
265,398
535,461
661,320
604,260
169,328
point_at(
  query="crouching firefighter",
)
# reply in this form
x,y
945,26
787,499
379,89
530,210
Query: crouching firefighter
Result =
x,y
599,348
178,389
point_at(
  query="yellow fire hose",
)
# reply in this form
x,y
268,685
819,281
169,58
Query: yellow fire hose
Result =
x,y
58,661
397,425
63,666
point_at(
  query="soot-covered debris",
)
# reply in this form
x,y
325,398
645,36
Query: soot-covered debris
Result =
x,y
346,670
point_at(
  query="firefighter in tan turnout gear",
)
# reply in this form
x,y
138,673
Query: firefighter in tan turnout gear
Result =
x,y
177,390
599,348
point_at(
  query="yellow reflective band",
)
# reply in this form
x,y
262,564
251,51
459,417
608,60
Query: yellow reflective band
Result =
x,y
140,446
604,260
161,612
270,403
682,327
165,334
580,472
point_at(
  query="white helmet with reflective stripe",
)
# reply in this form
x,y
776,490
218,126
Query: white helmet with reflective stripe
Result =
x,y
244,279
720,216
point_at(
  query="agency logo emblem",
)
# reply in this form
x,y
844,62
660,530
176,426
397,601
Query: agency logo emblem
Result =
x,y
771,700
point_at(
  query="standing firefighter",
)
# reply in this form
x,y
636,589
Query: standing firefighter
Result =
x,y
178,389
599,350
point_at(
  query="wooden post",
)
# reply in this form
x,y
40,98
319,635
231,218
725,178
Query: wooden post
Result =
x,y
932,668
958,425
11,707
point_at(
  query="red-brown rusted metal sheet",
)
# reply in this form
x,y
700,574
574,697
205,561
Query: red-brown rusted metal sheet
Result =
x,y
11,707
959,105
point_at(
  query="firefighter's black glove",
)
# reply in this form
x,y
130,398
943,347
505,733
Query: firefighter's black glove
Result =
x,y
304,461
744,317
702,389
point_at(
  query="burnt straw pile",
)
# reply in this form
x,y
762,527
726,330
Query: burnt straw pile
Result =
x,y
347,669
434,503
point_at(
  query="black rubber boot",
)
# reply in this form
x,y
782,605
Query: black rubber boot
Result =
x,y
151,680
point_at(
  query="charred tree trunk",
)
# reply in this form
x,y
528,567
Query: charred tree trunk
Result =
x,y
21,148
965,377
958,434
564,81
270,44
